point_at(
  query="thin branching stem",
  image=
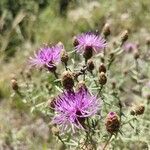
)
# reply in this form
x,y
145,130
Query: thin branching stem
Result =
x,y
61,140
107,142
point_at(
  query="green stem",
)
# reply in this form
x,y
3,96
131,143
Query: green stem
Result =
x,y
107,142
61,140
66,66
55,74
136,65
110,63
94,79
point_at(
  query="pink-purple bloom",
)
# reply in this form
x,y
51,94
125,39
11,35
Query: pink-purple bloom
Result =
x,y
72,108
47,56
112,114
89,40
129,47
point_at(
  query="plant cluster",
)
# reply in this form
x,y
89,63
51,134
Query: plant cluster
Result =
x,y
89,93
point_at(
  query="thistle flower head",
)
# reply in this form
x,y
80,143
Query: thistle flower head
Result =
x,y
129,47
47,56
112,122
89,40
72,108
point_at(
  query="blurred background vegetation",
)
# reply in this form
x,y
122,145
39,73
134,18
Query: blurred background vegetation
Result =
x,y
26,24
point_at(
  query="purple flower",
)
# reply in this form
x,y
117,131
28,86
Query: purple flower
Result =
x,y
129,47
47,56
112,114
72,108
89,40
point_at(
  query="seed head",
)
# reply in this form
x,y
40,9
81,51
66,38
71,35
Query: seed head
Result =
x,y
67,80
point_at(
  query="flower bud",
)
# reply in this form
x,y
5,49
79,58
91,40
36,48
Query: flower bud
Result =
x,y
138,110
90,65
136,54
125,71
88,53
28,74
81,85
51,103
67,80
102,78
148,98
64,57
132,112
102,59
14,84
52,69
148,41
124,36
87,146
112,55
55,130
112,123
113,84
76,75
75,42
106,30
102,68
